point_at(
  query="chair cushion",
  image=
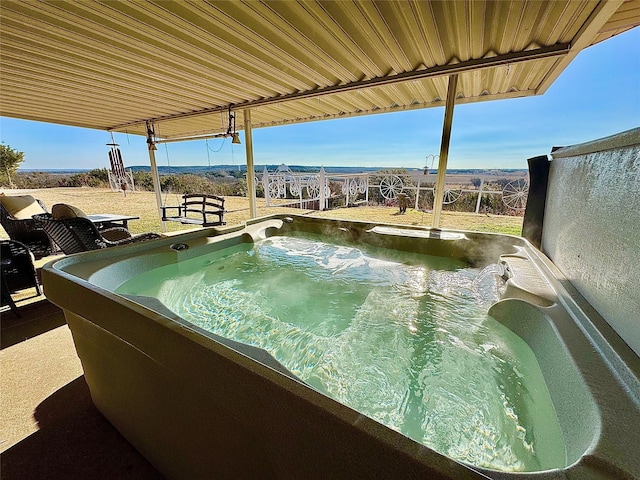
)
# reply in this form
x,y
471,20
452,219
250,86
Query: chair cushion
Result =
x,y
61,211
115,234
21,207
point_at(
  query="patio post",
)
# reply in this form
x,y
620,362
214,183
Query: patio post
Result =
x,y
438,194
154,173
251,187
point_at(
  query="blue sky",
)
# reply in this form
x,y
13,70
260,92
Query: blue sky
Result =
x,y
596,96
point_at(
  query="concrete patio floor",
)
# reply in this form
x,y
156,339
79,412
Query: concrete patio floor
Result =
x,y
49,427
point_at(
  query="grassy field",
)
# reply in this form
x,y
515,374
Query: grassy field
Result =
x,y
143,205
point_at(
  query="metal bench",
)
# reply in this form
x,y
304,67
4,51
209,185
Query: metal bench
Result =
x,y
197,210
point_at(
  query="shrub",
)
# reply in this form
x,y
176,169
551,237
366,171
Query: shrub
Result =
x,y
93,178
10,160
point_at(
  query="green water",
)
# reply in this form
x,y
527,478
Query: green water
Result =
x,y
402,338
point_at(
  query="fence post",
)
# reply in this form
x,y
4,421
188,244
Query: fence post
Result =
x,y
300,192
321,196
366,197
347,185
480,195
265,185
417,194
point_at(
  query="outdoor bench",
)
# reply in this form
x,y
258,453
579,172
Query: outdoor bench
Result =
x,y
197,210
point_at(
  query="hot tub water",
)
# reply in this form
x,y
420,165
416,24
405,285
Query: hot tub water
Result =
x,y
400,337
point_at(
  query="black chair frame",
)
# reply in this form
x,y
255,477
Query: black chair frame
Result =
x,y
26,231
17,271
79,234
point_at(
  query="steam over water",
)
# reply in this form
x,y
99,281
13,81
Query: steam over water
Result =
x,y
402,338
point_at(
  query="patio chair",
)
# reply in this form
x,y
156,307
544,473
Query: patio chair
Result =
x,y
17,271
16,218
79,234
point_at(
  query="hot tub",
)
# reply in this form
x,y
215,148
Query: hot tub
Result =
x,y
198,404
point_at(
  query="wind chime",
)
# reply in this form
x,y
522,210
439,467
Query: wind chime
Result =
x,y
119,179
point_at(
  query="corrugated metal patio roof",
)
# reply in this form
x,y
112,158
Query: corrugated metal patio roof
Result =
x,y
114,65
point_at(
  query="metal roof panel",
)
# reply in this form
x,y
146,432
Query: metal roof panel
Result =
x,y
114,65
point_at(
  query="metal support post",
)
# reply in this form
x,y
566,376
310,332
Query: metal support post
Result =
x,y
155,177
444,150
251,187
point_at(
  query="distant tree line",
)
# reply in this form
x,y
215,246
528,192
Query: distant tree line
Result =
x,y
216,183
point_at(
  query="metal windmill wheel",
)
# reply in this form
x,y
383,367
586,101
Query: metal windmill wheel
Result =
x,y
345,186
450,196
313,187
362,185
274,189
391,186
295,186
353,187
515,193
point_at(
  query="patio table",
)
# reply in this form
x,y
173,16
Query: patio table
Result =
x,y
108,220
